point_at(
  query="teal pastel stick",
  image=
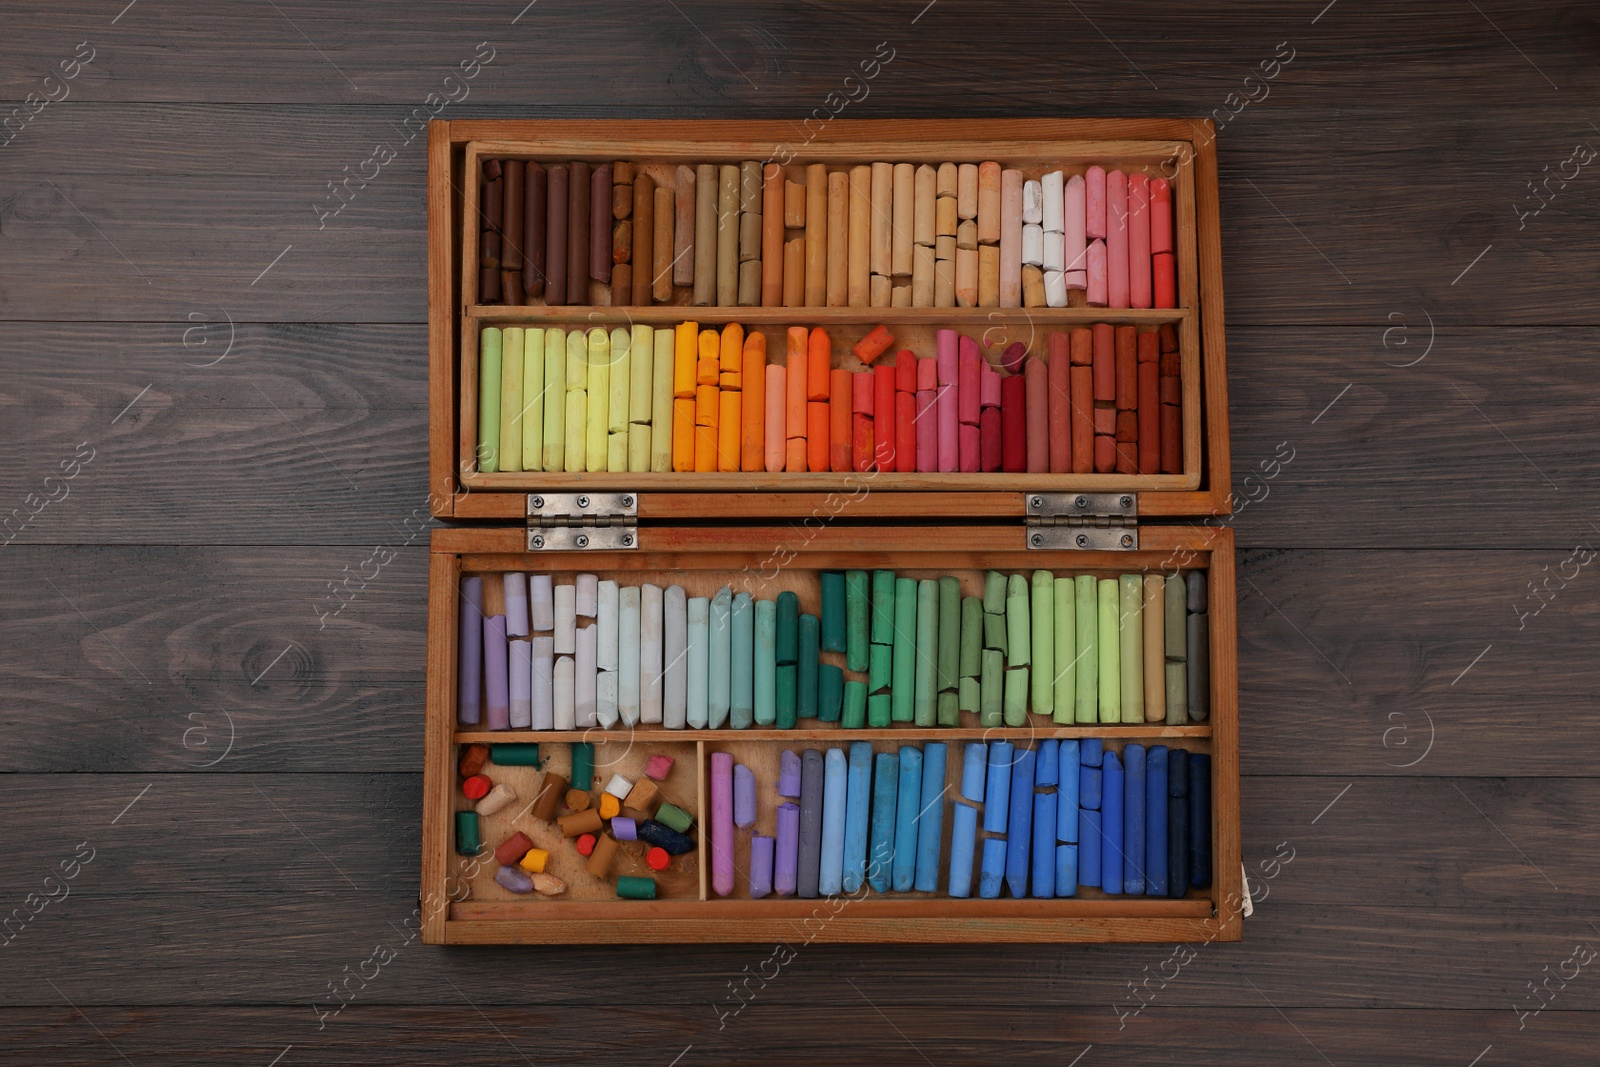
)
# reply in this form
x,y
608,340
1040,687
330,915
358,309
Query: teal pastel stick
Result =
x,y
990,688
786,696
907,807
858,610
902,689
1042,624
788,627
930,817
857,808
742,685
833,611
719,683
855,704
992,872
1019,637
1087,625
806,668
883,598
885,796
830,692
830,874
1066,651
971,638
963,842
925,683
766,662
949,630
881,668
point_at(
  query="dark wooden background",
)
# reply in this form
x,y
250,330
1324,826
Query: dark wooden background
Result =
x,y
247,774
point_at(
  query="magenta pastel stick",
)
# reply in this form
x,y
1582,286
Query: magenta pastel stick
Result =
x,y
1116,239
786,860
988,386
1097,274
761,866
948,399
971,439
721,823
497,688
744,797
469,690
1139,286
1094,204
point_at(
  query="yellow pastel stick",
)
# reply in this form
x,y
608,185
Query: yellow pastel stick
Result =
x,y
685,339
511,399
661,404
641,371
533,399
617,452
620,368
555,387
577,412
595,433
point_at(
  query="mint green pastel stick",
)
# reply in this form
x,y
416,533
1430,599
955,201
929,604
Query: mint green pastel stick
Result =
x,y
1044,642
1019,640
855,704
1066,694
880,674
926,681
903,688
949,626
969,692
489,342
1015,706
741,668
1131,639
1110,598
1175,602
1087,611
555,399
994,631
994,593
878,710
883,607
766,662
857,612
990,687
949,710
971,638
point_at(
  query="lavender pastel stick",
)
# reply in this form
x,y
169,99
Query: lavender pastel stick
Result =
x,y
744,797
516,587
519,665
788,773
760,866
830,872
721,823
497,684
469,691
786,860
811,787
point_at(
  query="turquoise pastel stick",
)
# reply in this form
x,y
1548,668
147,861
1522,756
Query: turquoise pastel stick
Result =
x,y
806,664
857,808
855,705
1087,620
830,877
907,808
742,693
858,611
766,662
719,689
930,818
885,796
883,596
880,670
833,611
963,842
925,692
902,688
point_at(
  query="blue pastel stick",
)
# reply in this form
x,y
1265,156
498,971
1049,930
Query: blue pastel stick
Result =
x,y
1178,773
907,807
1133,771
885,788
1111,858
830,875
1066,870
974,758
1155,821
1020,834
1090,780
1089,848
992,872
963,842
1199,820
1067,797
857,806
930,818
997,793
1090,751
1044,844
1045,769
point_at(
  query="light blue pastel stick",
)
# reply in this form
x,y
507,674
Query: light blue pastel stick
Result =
x,y
974,759
765,663
992,872
741,668
857,808
1019,834
885,794
1067,799
930,820
1044,845
699,656
830,877
963,841
1045,769
1066,870
997,795
1111,858
719,622
907,808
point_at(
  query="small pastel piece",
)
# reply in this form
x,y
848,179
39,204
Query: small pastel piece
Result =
x,y
657,767
619,786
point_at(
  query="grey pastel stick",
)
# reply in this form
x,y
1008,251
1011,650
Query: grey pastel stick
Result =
x,y
1197,591
1199,667
675,671
544,680
565,620
811,782
516,587
650,650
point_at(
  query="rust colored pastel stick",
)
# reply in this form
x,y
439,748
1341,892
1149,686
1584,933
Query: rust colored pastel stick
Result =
x,y
818,456
884,409
511,233
1127,457
1105,362
705,235
1168,334
794,205
1105,453
753,375
1165,273
858,275
1149,420
1060,404
580,188
873,345
1127,367
841,387
905,371
1037,400
861,442
683,201
794,273
1127,427
1171,439
905,431
1082,419
622,244
772,236
1013,424
775,430
661,245
817,224
730,424
1147,345
838,295
1171,364
1082,345
559,180
622,281
1170,389
819,360
600,197
644,236
535,192
682,434
795,362
989,446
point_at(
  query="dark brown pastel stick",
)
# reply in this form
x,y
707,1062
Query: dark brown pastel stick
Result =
x,y
621,284
559,178
661,245
644,235
511,234
683,227
600,223
491,208
535,191
1149,419
580,187
621,190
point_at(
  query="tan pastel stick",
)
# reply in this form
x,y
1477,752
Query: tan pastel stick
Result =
x,y
794,205
966,277
967,190
750,223
1010,238
727,236
922,276
944,282
989,203
794,273
944,217
772,236
750,187
816,235
705,235
967,234
947,183
882,292
661,264
683,228
882,218
944,247
838,238
904,208
1032,287
922,225
644,233
750,283
860,236
988,276
900,296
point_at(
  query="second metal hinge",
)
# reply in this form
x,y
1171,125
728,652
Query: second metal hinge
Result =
x,y
559,522
1090,521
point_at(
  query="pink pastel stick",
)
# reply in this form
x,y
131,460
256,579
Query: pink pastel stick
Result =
x,y
1139,241
1094,203
1116,239
927,430
1076,253
969,449
969,396
777,440
722,823
988,386
950,387
1097,275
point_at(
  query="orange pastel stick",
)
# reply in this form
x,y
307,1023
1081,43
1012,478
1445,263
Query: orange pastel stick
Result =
x,y
795,403
728,429
819,359
709,364
839,429
732,348
752,435
873,345
817,440
796,451
705,448
682,435
685,338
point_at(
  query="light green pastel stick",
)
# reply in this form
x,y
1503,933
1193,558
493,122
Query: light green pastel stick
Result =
x,y
1175,602
1019,639
661,404
596,434
766,662
994,593
510,458
577,446
555,391
926,691
971,638
949,711
1110,598
1043,626
969,692
991,684
1066,686
489,342
994,631
902,689
857,608
1131,637
1015,707
1177,694
1087,610
949,633
641,372
533,399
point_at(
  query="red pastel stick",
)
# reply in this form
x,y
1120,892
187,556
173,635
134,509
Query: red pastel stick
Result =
x,y
861,392
905,371
883,408
989,439
905,431
1013,424
967,396
1165,280
1105,362
840,430
970,446
861,444
1036,380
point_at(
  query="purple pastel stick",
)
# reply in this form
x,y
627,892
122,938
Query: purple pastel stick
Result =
x,y
760,866
788,773
744,797
497,687
786,864
513,879
469,694
624,828
721,823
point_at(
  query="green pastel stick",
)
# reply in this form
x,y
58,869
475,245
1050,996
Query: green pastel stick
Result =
x,y
1015,706
1110,600
555,393
857,609
1130,637
949,710
635,887
741,667
675,817
533,399
994,593
1066,651
881,671
903,686
949,627
925,682
1019,640
830,692
661,403
990,685
766,663
510,458
1177,694
994,631
969,691
1088,643
1043,627
489,342
971,637
805,699
883,607
833,611
786,696
788,627
855,704
878,710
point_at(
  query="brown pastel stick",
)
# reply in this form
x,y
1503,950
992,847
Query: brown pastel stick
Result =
x,y
750,225
1104,362
902,219
534,193
603,856
683,200
579,799
967,277
705,235
989,276
794,205
1059,359
750,283
1169,389
661,245
794,273
600,194
922,276
558,179
644,236
1127,427
838,238
947,182
511,234
750,187
923,217
752,435
883,220
859,277
1037,379
622,241
548,799
1171,439
728,237
772,236
1082,419
1149,419
492,203
817,222
622,175
580,189
967,191
621,283
751,193
1127,397
989,203
580,822
1169,337
1170,363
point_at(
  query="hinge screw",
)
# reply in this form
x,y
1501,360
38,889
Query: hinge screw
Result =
x,y
538,502
627,540
582,541
1035,502
1037,540
627,501
1127,540
1127,502
1083,540
1080,502
583,501
538,541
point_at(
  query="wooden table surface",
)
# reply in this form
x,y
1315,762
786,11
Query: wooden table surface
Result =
x,y
237,376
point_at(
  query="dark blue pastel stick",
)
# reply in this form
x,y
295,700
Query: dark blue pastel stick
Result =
x,y
1066,870
907,807
997,792
1111,857
1020,834
1045,769
974,759
963,843
811,784
1090,751
1199,820
1089,848
1067,796
1178,772
885,790
930,820
1090,787
1044,843
992,872
1177,846
857,806
1155,821
1133,757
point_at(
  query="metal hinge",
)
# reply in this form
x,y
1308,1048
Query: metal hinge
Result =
x,y
559,522
1095,521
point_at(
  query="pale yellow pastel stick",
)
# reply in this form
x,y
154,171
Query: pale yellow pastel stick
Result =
x,y
555,409
595,432
533,399
577,399
661,402
641,371
511,399
620,370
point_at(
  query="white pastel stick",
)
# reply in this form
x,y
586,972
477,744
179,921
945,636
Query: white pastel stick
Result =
x,y
516,585
588,593
1052,186
520,662
1076,251
562,693
605,699
619,787
544,683
674,644
605,656
540,602
628,655
1055,289
583,678
1032,203
1053,245
699,657
1032,244
650,618
566,623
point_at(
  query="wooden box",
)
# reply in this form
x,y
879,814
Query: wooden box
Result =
x,y
704,530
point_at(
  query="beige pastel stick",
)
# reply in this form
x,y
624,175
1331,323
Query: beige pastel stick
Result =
x,y
1010,238
683,227
772,236
922,276
817,235
989,203
944,281
838,239
705,235
967,190
944,217
966,277
882,218
859,276
900,296
794,205
727,237
905,203
882,292
661,265
750,223
946,183
922,222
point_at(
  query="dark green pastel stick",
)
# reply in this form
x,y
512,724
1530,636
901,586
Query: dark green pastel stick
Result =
x,y
583,765
830,692
949,632
855,704
903,687
788,627
833,611
949,710
879,710
883,607
514,755
971,637
882,670
806,667
857,610
925,694
786,681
